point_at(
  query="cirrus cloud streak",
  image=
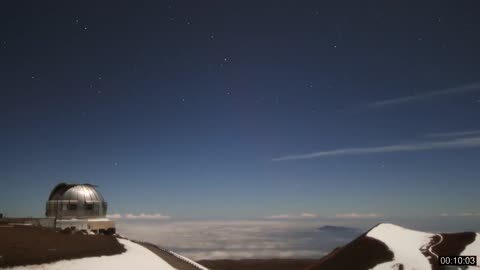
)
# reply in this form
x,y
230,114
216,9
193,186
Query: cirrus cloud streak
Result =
x,y
406,99
470,142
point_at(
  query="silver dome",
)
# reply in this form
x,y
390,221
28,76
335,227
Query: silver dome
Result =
x,y
76,201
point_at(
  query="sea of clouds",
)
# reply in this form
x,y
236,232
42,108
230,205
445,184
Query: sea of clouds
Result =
x,y
279,236
237,239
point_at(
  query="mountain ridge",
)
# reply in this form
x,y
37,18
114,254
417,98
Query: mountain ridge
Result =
x,y
389,246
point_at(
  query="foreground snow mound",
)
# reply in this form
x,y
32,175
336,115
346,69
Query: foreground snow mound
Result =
x,y
408,246
474,248
136,257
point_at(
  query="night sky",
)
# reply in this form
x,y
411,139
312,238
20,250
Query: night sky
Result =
x,y
243,109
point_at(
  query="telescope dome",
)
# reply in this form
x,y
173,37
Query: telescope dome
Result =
x,y
76,201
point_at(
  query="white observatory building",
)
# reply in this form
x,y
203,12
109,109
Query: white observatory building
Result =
x,y
80,207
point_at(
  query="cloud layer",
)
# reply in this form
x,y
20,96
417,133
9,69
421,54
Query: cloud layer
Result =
x,y
237,239
274,238
447,144
406,99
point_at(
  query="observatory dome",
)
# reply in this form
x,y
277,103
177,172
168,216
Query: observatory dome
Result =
x,y
76,201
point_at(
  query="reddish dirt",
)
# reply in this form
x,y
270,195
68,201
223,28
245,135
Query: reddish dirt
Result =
x,y
252,264
24,245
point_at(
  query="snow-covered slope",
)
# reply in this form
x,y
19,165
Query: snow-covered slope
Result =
x,y
136,257
407,246
200,267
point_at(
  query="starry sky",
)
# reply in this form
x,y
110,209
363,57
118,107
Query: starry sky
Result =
x,y
243,109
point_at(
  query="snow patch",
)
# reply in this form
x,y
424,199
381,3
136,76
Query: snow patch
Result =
x,y
136,257
406,245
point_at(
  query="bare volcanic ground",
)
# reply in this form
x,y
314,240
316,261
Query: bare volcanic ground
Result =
x,y
24,245
454,243
252,264
362,253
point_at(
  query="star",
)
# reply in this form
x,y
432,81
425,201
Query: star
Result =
x,y
85,28
225,59
115,164
99,92
334,46
33,77
212,36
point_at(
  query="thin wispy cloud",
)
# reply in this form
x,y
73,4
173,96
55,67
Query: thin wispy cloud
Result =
x,y
469,214
453,134
464,214
406,99
139,216
470,142
287,216
357,215
308,215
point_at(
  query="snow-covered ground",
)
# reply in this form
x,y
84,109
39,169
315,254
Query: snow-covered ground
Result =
x,y
136,257
400,241
189,261
473,250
